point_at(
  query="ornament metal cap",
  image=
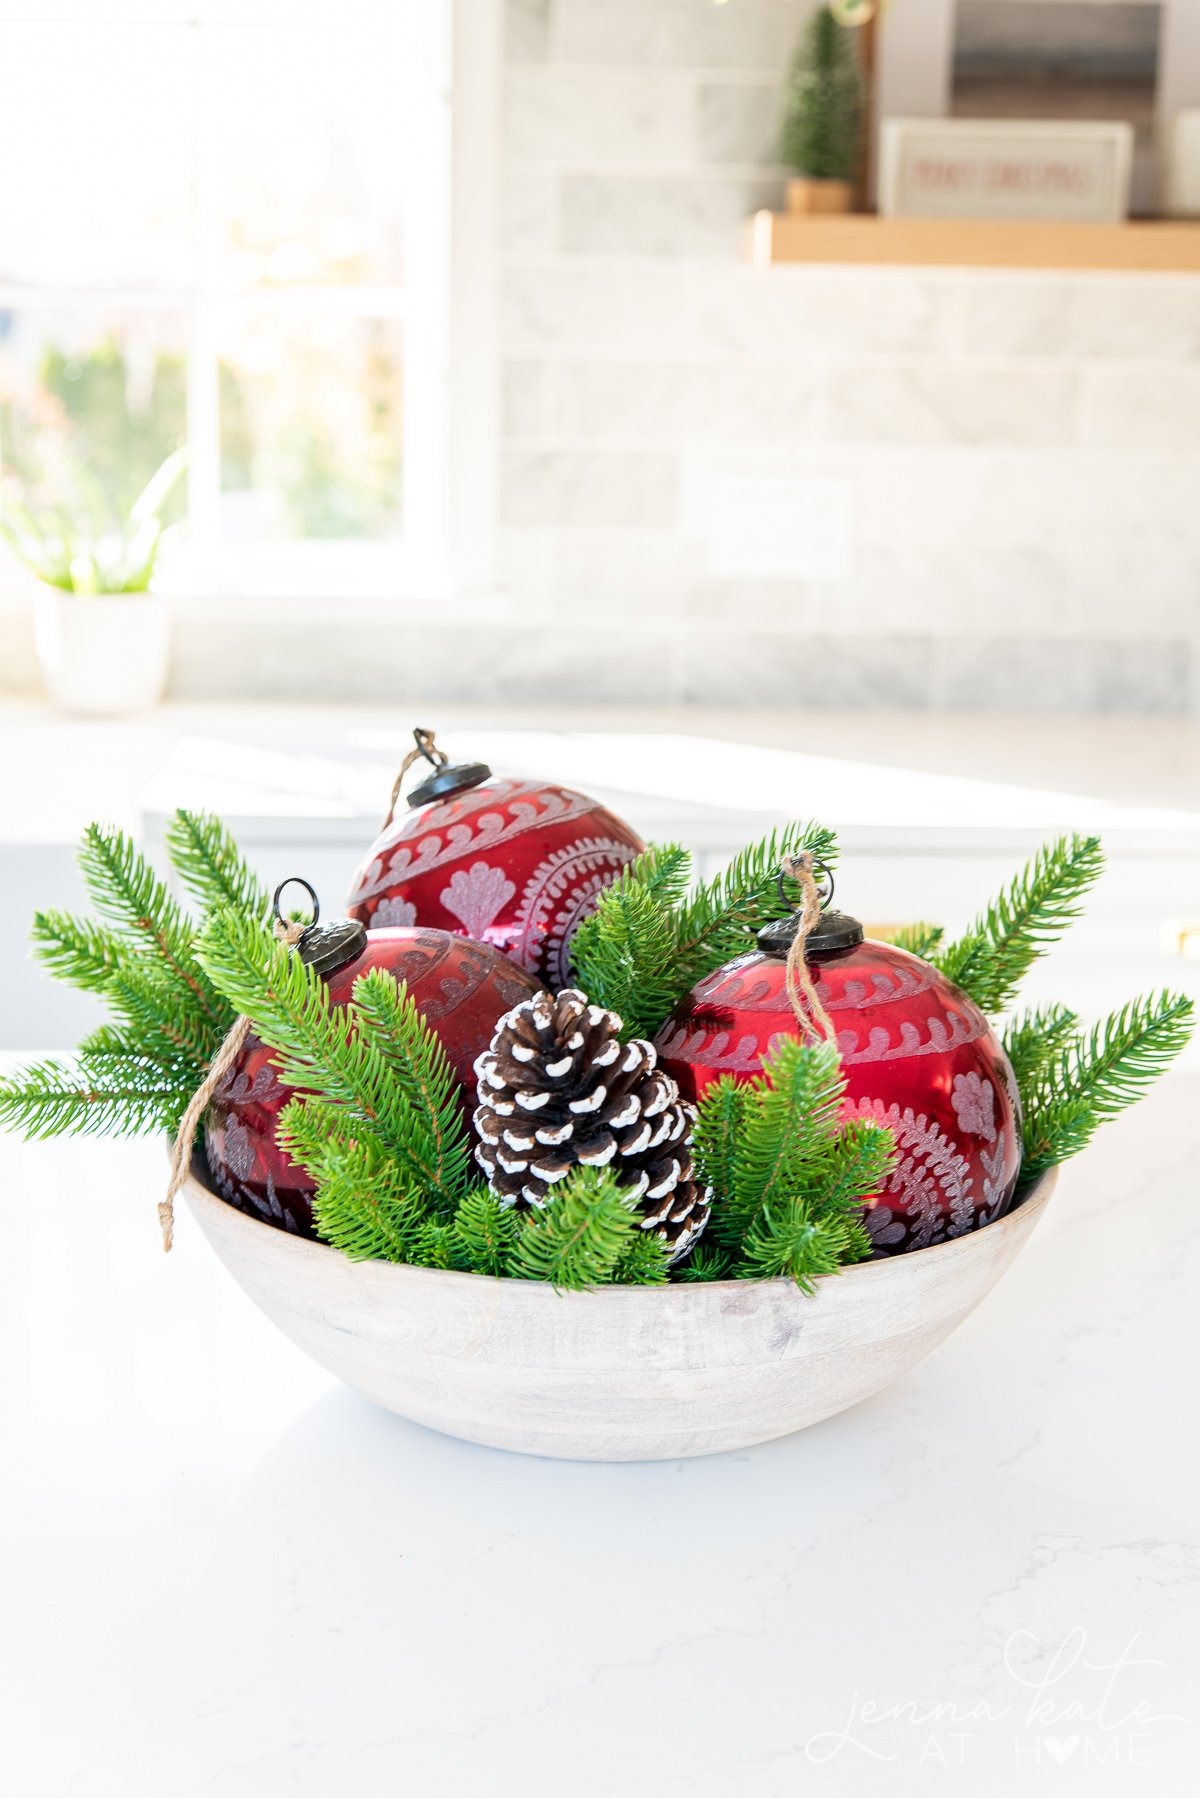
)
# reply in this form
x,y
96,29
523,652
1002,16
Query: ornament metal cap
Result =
x,y
324,947
833,930
448,777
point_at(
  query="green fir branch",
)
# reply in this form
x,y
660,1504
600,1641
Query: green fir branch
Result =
x,y
990,961
624,958
1096,1077
389,1024
484,1233
365,1203
716,1144
791,1111
706,1262
723,917
95,1094
648,941
207,860
78,950
918,939
645,1261
1036,1039
579,1240
125,889
350,1058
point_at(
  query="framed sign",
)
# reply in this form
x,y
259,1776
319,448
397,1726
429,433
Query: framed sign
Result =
x,y
1005,169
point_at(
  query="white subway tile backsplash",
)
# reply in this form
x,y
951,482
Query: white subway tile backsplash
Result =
x,y
746,667
798,312
673,401
555,116
1071,675
1140,406
950,402
526,30
744,34
1079,317
548,664
528,209
659,215
553,488
523,398
640,573
997,470
738,121
550,307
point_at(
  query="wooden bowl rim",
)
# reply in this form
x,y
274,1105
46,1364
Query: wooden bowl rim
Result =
x,y
1024,1213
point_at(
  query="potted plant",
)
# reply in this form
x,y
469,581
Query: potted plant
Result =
x,y
819,135
103,639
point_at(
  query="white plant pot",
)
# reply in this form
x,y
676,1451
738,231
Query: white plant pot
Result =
x,y
633,1373
102,655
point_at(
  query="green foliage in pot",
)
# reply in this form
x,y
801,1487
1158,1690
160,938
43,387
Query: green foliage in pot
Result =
x,y
86,548
823,103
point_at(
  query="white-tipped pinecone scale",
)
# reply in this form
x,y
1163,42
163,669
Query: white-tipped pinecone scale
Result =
x,y
558,1089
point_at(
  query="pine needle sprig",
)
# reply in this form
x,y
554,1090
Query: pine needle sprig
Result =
x,y
645,1261
578,1241
417,1069
95,1094
707,1262
350,1058
1097,1076
365,1204
649,940
484,1233
722,917
624,957
1035,1039
919,939
125,889
788,1111
207,860
994,955
79,950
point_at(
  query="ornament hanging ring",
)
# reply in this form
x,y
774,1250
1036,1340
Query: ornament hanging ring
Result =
x,y
824,884
296,880
424,740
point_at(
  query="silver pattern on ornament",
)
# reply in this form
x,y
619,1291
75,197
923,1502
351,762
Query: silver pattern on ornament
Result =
x,y
994,1183
529,807
931,1182
392,912
476,895
558,895
974,1101
730,1055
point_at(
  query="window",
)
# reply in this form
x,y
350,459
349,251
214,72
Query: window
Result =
x,y
228,220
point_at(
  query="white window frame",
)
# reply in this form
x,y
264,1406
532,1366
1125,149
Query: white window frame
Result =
x,y
448,55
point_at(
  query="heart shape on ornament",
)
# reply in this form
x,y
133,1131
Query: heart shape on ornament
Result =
x,y
1061,1751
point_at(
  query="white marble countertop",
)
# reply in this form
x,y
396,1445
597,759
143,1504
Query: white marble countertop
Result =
x,y
226,1575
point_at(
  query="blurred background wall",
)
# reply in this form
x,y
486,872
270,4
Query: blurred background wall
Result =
x,y
696,481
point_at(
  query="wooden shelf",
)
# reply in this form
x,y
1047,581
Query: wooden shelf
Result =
x,y
974,243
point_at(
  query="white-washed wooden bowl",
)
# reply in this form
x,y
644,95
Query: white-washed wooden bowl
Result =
x,y
622,1374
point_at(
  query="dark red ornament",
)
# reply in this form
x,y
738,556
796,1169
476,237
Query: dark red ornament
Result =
x,y
918,1056
514,863
462,988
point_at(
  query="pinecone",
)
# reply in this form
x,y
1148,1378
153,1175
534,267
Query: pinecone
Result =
x,y
558,1089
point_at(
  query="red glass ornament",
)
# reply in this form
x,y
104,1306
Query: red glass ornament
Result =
x,y
918,1055
514,863
462,988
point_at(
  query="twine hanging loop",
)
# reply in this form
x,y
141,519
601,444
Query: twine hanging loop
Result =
x,y
424,745
815,1023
